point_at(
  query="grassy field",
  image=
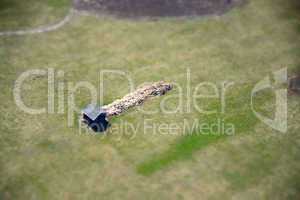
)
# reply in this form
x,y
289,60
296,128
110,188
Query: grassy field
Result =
x,y
42,158
28,14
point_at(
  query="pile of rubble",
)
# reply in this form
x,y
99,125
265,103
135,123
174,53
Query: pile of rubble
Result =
x,y
136,98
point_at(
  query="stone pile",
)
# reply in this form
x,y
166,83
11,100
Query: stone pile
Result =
x,y
136,98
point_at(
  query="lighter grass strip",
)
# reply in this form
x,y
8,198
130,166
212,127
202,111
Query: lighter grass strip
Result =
x,y
41,29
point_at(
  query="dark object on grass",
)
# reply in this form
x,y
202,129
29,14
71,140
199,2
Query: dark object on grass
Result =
x,y
294,85
156,8
97,118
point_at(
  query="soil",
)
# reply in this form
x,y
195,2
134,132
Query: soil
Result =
x,y
294,85
156,8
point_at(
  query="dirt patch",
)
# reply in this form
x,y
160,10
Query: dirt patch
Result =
x,y
156,8
294,85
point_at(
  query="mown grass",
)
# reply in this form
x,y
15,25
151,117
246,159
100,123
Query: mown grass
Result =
x,y
238,114
42,158
17,15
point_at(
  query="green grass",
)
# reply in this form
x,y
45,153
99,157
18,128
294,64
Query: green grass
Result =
x,y
18,15
238,113
42,158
